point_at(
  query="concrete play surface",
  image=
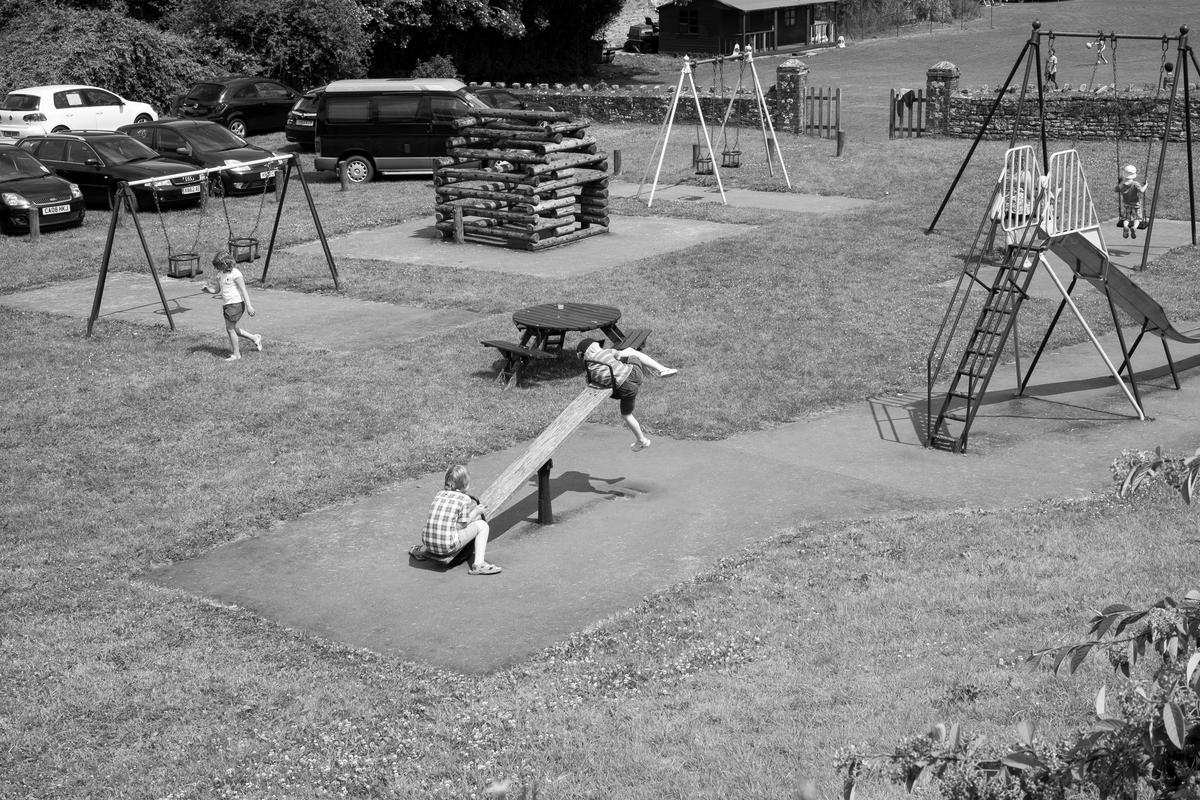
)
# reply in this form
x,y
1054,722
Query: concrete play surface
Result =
x,y
743,198
328,323
418,242
628,524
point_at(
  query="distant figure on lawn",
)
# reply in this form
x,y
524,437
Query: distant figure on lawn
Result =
x,y
455,521
610,368
230,287
1052,69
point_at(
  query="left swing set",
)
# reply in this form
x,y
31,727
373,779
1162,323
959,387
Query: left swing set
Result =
x,y
686,72
125,200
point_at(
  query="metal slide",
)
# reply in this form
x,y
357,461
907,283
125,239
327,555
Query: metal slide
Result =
x,y
1092,265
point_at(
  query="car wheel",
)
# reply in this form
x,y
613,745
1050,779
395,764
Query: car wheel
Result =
x,y
237,126
141,119
359,169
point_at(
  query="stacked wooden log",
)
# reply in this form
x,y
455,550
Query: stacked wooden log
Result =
x,y
530,179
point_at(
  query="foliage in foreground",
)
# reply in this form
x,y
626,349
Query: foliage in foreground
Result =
x,y
1138,470
1145,741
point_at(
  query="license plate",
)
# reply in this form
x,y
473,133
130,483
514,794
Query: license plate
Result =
x,y
304,123
268,174
48,210
191,189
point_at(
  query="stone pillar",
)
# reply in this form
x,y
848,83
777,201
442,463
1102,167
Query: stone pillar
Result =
x,y
941,82
791,78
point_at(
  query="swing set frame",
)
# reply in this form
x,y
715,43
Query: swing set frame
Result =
x,y
125,200
1031,56
686,72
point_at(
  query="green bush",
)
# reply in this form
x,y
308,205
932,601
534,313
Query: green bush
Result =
x,y
305,43
101,48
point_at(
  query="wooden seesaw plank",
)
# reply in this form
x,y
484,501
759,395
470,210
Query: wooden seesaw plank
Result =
x,y
541,448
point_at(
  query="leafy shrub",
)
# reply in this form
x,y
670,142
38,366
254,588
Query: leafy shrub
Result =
x,y
1145,741
435,67
304,43
101,48
1139,470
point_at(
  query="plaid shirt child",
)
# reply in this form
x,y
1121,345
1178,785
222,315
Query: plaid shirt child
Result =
x,y
447,516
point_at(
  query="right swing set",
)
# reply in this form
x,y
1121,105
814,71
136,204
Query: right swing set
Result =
x,y
1176,76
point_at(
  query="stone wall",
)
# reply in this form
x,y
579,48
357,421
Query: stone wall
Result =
x,y
1135,114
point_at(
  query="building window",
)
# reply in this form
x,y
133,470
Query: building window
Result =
x,y
689,21
791,17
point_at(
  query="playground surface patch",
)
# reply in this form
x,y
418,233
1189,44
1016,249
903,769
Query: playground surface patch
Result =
x,y
627,525
419,243
319,321
745,198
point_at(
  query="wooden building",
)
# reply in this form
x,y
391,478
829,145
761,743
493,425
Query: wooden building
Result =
x,y
715,26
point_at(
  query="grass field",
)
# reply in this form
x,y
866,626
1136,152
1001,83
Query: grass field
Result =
x,y
139,447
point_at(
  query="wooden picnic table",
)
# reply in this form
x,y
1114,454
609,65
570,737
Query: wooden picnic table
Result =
x,y
544,327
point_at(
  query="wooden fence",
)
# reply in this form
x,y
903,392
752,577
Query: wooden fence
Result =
x,y
907,114
822,111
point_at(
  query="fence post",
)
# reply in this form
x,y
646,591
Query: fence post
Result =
x,y
35,225
343,177
841,141
459,233
891,113
616,162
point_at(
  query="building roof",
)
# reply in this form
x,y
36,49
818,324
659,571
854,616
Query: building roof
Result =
x,y
763,5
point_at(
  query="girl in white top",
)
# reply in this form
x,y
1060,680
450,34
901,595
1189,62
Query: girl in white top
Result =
x,y
235,299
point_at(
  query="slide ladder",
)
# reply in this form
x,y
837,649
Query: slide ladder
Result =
x,y
537,454
984,347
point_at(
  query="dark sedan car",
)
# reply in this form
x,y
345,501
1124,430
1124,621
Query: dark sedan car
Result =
x,y
97,161
502,98
302,119
207,144
27,184
241,103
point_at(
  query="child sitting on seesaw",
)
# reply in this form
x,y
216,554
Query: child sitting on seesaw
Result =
x,y
455,521
1131,193
606,366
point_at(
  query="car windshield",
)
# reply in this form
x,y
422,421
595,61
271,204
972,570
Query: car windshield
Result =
x,y
205,92
214,137
121,150
20,102
15,164
474,101
306,104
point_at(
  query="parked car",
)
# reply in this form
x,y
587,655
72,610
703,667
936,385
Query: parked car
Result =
x,y
52,109
97,161
27,184
642,38
301,125
502,98
387,125
207,144
244,104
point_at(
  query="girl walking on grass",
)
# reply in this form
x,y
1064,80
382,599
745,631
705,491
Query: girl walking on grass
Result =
x,y
235,299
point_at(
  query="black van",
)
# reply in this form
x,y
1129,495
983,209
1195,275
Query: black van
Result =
x,y
388,125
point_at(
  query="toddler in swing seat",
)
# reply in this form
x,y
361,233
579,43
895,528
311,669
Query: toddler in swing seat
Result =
x,y
1131,194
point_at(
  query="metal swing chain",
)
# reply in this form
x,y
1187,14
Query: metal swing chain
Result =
x,y
262,203
1162,65
162,223
202,214
228,222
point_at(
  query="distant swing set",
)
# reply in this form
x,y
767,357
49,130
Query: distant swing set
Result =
x,y
705,161
185,261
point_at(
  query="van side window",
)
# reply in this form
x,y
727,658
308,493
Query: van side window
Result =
x,y
341,110
397,107
447,107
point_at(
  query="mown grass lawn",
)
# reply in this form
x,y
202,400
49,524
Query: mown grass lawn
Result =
x,y
138,446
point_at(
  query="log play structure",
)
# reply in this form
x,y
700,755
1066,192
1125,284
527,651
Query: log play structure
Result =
x,y
524,178
1041,213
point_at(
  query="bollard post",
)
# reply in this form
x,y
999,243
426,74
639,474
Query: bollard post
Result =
x,y
616,162
841,141
545,512
35,224
343,176
459,234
